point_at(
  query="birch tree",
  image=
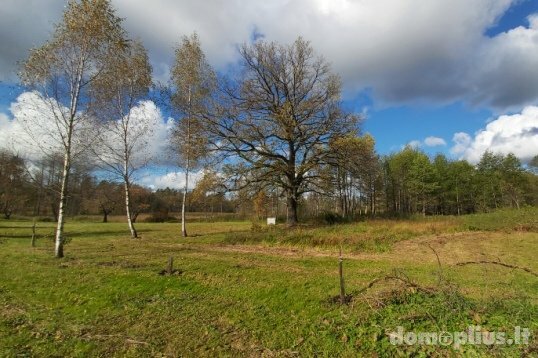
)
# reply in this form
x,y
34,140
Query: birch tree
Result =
x,y
193,81
63,70
121,148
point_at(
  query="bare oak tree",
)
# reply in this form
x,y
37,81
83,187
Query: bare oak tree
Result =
x,y
63,71
279,117
193,81
121,146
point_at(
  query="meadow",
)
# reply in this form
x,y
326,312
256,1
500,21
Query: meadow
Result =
x,y
242,289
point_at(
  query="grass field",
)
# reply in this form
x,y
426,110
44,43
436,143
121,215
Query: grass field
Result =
x,y
244,290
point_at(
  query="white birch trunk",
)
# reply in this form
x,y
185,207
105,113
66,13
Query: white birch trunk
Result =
x,y
187,167
59,240
134,234
127,186
183,204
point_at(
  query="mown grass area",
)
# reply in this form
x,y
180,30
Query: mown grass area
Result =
x,y
268,295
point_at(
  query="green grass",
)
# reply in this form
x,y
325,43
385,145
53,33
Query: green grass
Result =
x,y
505,220
268,293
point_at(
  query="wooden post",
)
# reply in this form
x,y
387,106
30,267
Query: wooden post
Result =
x,y
33,233
341,274
170,268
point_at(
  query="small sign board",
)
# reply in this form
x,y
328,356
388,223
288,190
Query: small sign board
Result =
x,y
271,221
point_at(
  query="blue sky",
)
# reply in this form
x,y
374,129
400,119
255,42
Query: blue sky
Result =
x,y
515,16
461,73
398,125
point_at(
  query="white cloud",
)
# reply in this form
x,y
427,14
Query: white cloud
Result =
x,y
500,72
172,180
6,132
434,141
462,141
32,121
403,55
428,142
31,132
404,51
147,137
517,134
415,144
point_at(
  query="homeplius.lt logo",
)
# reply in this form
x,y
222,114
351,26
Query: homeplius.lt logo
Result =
x,y
474,335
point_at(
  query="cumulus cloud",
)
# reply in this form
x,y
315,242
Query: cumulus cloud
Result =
x,y
6,130
430,141
402,54
32,131
434,141
415,144
502,73
147,136
172,180
462,141
517,134
405,51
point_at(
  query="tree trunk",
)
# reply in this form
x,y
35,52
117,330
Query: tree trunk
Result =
x,y
424,208
59,242
185,188
37,210
187,167
130,220
105,216
127,187
292,210
33,232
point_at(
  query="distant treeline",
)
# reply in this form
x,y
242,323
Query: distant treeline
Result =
x,y
409,182
32,189
357,183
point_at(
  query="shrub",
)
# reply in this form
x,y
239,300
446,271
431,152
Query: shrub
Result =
x,y
330,218
157,218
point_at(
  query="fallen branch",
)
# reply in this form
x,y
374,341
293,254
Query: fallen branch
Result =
x,y
107,336
132,341
497,263
404,280
440,275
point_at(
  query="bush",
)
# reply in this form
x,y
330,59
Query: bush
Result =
x,y
256,227
157,218
331,218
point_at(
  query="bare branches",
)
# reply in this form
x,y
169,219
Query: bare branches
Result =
x,y
398,278
279,117
480,262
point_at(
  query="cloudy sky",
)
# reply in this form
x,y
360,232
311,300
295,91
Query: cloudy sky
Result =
x,y
450,76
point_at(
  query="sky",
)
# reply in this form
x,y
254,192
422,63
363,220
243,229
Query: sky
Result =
x,y
448,76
